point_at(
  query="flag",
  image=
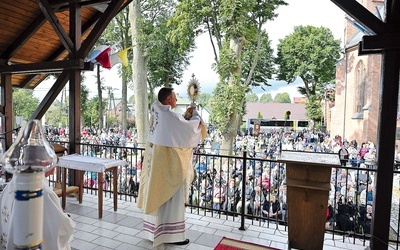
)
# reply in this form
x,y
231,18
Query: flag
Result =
x,y
108,56
96,51
104,58
120,57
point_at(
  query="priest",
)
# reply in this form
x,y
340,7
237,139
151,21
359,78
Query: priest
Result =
x,y
167,169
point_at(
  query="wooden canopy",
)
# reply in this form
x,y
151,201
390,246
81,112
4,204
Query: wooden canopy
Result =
x,y
39,37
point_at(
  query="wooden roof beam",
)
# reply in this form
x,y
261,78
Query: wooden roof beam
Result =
x,y
100,26
83,3
58,28
56,54
47,67
51,96
361,15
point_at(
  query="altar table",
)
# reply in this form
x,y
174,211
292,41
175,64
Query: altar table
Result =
x,y
90,164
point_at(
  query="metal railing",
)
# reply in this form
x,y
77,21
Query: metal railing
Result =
x,y
222,184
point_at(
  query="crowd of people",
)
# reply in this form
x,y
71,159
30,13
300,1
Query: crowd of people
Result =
x,y
219,180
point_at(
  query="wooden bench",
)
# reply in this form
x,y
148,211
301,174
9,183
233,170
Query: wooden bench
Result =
x,y
71,190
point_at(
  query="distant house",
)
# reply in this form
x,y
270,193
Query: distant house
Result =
x,y
117,110
299,100
275,110
181,106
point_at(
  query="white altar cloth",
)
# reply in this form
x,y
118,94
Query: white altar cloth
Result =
x,y
88,163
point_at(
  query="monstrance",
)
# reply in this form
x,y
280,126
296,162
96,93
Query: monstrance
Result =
x,y
193,91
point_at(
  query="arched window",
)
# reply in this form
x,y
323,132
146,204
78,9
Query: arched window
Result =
x,y
360,88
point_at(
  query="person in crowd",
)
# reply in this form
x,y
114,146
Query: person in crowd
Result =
x,y
366,219
343,179
343,155
58,227
352,152
271,208
169,154
201,166
370,158
355,162
362,178
229,204
367,196
90,178
265,181
330,218
348,192
364,149
282,198
219,193
206,190
257,201
248,193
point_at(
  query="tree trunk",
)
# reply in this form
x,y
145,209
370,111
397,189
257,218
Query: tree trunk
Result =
x,y
139,71
99,92
236,45
124,105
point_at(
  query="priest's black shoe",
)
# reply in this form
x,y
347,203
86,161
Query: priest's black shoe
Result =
x,y
185,242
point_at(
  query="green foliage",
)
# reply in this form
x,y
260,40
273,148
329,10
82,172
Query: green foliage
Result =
x,y
231,25
118,33
84,98
24,103
259,115
314,110
204,100
226,100
251,97
264,69
309,53
266,98
228,62
282,98
131,99
234,19
91,114
57,114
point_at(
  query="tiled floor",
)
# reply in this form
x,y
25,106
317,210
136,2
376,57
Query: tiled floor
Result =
x,y
123,229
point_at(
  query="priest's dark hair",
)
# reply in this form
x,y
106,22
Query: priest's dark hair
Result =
x,y
164,93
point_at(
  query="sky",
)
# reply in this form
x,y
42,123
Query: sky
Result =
x,y
298,12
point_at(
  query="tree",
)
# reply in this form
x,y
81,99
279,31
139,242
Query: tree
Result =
x,y
57,115
24,103
251,97
91,114
266,98
231,25
314,110
204,100
118,34
156,60
282,98
309,53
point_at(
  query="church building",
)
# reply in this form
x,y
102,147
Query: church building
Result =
x,y
355,114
